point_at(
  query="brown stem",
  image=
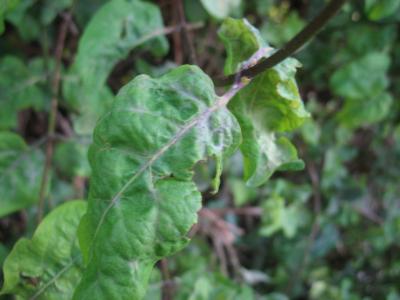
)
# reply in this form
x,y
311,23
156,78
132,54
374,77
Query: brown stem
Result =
x,y
167,292
53,114
291,47
186,34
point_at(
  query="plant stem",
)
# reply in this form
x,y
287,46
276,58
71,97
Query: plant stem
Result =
x,y
53,114
186,34
290,48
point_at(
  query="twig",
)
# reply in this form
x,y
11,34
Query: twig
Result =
x,y
291,47
246,211
167,292
176,37
53,113
186,34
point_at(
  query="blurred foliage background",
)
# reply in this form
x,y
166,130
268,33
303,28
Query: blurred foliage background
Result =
x,y
331,231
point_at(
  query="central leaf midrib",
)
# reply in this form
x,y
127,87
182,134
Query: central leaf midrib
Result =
x,y
221,102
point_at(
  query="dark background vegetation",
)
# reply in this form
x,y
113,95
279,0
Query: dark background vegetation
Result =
x,y
331,231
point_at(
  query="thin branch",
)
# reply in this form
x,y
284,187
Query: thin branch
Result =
x,y
243,211
176,36
291,47
186,34
53,114
167,30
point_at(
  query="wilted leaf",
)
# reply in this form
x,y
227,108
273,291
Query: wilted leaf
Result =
x,y
142,199
117,28
270,103
20,168
48,266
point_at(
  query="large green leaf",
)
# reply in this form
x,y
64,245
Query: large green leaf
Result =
x,y
269,104
117,28
221,9
20,88
142,199
20,168
48,266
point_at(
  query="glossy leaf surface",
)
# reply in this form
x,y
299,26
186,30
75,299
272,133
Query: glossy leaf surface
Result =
x,y
142,200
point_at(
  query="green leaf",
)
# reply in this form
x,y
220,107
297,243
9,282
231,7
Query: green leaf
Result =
x,y
278,216
378,9
241,41
20,88
278,33
49,265
50,9
221,9
362,78
358,112
70,158
5,7
117,28
27,25
142,199
20,168
205,285
363,83
270,103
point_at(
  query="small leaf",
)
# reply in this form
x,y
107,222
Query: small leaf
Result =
x,y
48,266
27,25
269,104
279,215
358,112
20,168
221,9
20,88
71,158
5,7
362,78
142,199
50,9
363,84
117,28
378,9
